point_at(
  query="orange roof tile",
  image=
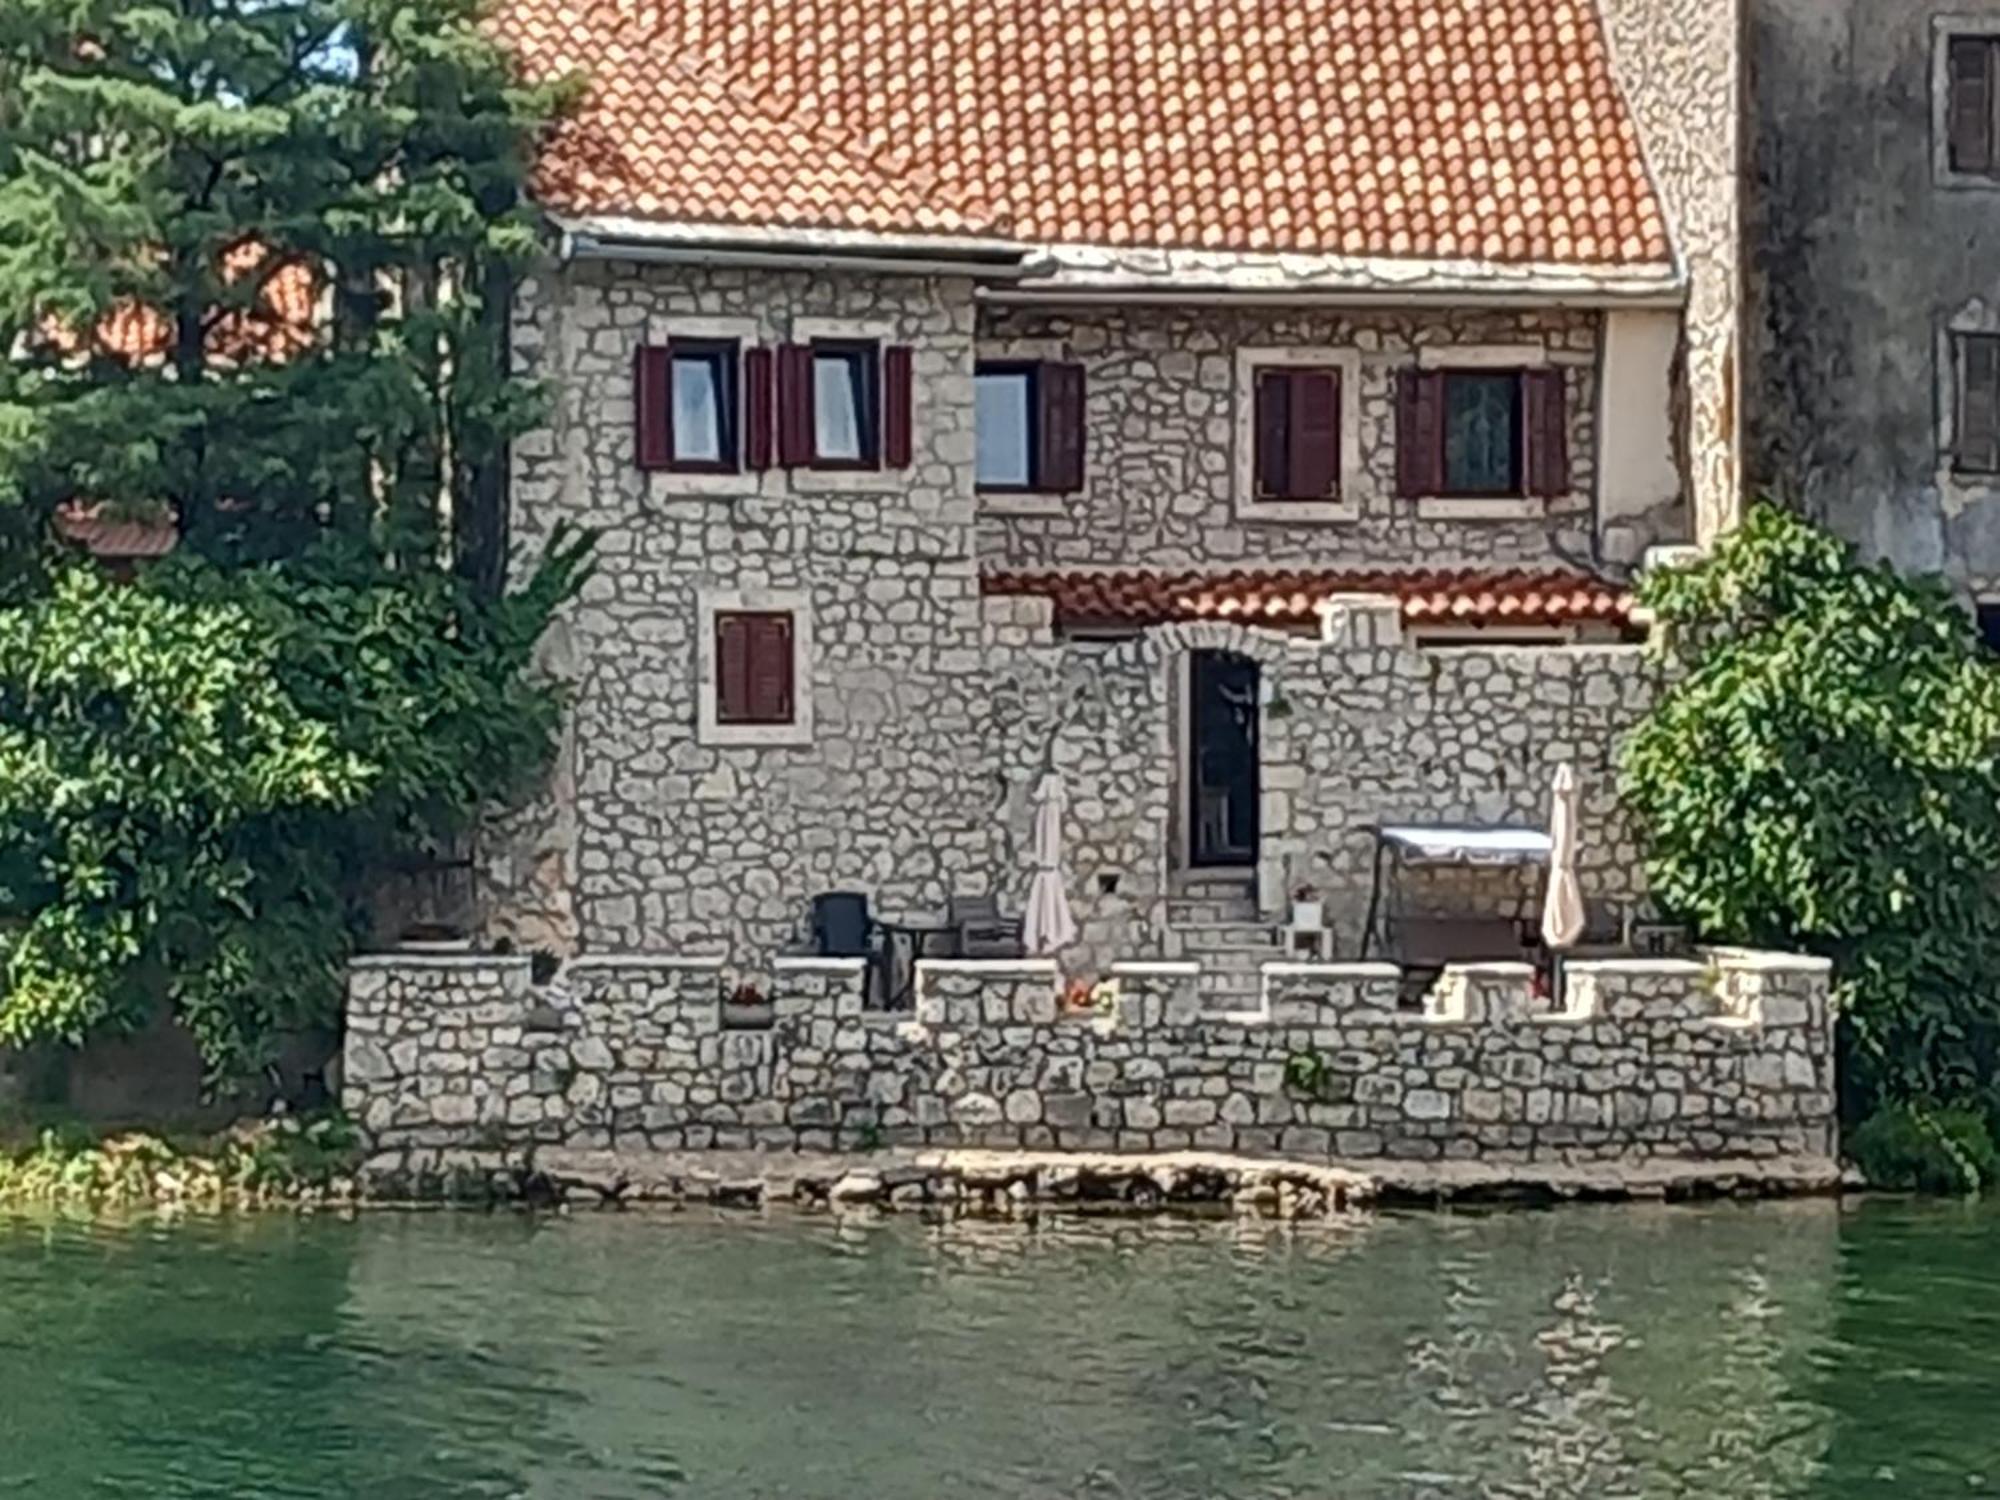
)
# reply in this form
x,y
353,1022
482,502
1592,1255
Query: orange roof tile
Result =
x,y
1481,130
1282,598
280,324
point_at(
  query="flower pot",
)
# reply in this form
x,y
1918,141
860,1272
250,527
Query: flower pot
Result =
x,y
756,1016
1309,916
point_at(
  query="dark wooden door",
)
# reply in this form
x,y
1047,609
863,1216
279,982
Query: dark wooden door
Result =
x,y
1222,759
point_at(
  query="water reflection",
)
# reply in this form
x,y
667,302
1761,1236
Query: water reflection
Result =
x,y
1772,1351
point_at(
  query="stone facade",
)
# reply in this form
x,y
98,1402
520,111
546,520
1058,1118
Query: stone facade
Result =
x,y
1730,1057
1864,254
1166,400
933,711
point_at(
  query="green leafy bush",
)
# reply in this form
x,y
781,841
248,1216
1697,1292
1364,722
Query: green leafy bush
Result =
x,y
1908,1147
200,772
1820,775
269,1161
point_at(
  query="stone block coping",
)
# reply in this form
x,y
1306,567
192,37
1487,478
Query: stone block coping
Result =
x,y
1165,969
1358,970
1764,960
420,958
1032,967
1677,967
656,961
813,963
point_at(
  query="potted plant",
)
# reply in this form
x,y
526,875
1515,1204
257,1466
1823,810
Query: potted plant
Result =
x,y
745,1008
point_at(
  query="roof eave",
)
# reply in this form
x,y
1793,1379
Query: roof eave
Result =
x,y
1090,274
779,247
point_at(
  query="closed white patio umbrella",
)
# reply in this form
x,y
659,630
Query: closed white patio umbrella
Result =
x,y
1048,925
1562,905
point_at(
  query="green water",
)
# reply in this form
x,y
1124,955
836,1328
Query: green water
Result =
x,y
1788,1350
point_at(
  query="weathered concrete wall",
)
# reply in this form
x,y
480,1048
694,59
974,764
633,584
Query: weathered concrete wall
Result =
x,y
1861,256
1679,63
1167,398
1643,1060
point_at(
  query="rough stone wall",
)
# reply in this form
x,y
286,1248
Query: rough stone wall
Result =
x,y
1643,1060
1860,259
1679,63
673,843
1160,441
1357,728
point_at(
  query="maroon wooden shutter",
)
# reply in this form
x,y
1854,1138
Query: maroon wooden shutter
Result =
x,y
1272,421
1313,444
1970,112
1419,433
1546,420
758,409
896,407
1059,428
653,407
732,668
795,405
1978,404
771,668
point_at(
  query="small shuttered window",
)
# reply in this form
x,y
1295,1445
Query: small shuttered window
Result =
x,y
1978,446
1297,432
1477,434
1973,141
844,404
1029,420
754,667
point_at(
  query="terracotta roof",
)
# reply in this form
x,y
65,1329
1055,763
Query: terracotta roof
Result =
x,y
116,537
1289,597
278,325
1483,130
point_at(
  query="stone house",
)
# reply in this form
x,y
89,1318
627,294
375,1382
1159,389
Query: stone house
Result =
x,y
1254,413
1872,212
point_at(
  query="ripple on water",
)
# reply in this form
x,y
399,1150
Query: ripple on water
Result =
x,y
1775,1351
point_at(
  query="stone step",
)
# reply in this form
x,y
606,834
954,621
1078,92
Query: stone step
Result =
x,y
1217,887
1209,913
1202,938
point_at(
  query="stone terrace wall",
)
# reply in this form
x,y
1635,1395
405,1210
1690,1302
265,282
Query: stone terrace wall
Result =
x,y
1645,1060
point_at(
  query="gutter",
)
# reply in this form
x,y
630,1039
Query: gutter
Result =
x,y
1057,294
997,260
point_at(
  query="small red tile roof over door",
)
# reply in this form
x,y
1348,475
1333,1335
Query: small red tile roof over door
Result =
x,y
1283,598
1476,130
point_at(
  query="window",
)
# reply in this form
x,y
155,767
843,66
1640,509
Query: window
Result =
x,y
1297,428
1989,624
1977,449
1028,419
753,667
1972,143
701,410
1482,434
844,405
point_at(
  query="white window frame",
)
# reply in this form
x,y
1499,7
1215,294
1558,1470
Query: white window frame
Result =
x,y
709,729
1944,28
1346,360
1956,490
881,332
670,483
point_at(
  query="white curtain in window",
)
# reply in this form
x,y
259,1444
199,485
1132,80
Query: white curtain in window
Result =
x,y
836,411
1000,417
697,410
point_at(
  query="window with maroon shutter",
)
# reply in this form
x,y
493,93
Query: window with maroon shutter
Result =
x,y
1482,434
1545,404
1973,104
1296,426
1419,433
754,667
1978,425
760,408
687,407
896,406
1028,426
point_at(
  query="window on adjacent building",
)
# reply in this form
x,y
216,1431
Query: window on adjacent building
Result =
x,y
1028,419
1972,138
845,407
1989,624
1482,434
754,667
1297,427
1978,414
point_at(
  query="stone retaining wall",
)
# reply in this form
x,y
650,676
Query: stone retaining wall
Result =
x,y
1643,1061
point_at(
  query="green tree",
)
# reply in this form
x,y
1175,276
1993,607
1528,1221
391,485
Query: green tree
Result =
x,y
178,175
1822,775
255,261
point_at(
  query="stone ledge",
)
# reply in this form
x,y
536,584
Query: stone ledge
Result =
x,y
401,958
1008,1181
